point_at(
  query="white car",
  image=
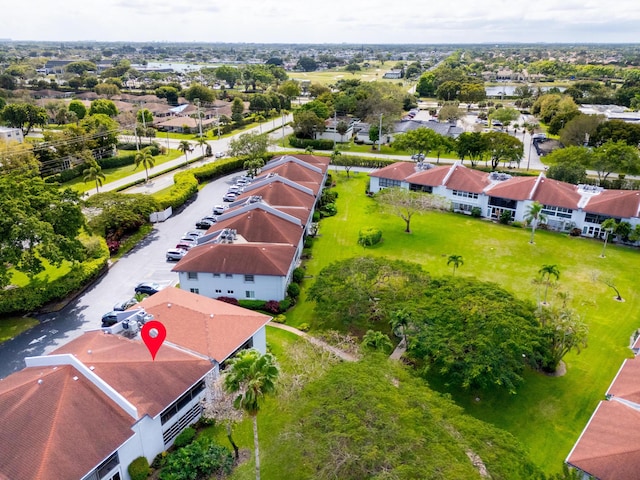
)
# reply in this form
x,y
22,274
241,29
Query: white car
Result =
x,y
219,209
220,154
174,254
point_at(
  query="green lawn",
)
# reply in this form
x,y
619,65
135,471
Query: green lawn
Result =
x,y
329,77
12,326
49,274
113,174
547,414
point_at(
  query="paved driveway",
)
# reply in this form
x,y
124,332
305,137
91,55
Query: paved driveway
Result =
x,y
145,262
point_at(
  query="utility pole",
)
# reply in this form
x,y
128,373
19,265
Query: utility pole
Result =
x,y
335,129
197,102
380,135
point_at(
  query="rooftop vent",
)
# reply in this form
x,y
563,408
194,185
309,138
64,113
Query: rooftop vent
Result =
x,y
499,176
40,382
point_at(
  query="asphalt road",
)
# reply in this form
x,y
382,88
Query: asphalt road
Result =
x,y
146,262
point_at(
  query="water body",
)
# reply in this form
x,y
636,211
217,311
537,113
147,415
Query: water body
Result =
x,y
509,90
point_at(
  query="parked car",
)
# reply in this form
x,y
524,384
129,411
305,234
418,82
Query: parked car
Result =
x,y
109,319
220,154
189,239
122,306
230,197
219,209
185,244
205,223
243,181
417,156
237,189
148,288
193,234
174,254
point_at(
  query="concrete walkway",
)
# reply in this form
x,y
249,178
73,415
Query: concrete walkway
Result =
x,y
341,354
399,351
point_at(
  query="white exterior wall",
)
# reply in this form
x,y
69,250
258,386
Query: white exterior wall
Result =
x,y
11,134
265,287
260,340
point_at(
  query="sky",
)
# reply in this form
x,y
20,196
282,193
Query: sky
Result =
x,y
326,21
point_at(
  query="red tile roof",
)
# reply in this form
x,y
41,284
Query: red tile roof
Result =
x,y
396,171
299,174
259,225
59,428
280,194
615,203
127,366
238,258
201,324
626,384
467,180
609,447
516,188
432,177
558,194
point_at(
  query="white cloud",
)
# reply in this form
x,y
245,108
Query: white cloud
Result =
x,y
332,21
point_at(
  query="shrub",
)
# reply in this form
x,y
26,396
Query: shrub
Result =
x,y
308,242
272,306
293,290
329,210
231,300
185,437
285,304
575,232
298,275
316,216
252,304
280,318
369,236
505,217
40,292
200,459
160,460
320,144
138,469
476,212
304,327
517,224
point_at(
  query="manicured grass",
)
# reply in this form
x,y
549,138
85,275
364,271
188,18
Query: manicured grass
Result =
x,y
271,419
113,174
548,414
329,77
49,274
13,326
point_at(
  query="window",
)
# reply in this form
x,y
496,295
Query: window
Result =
x,y
194,290
249,278
216,275
182,402
218,290
387,182
228,275
460,193
557,211
192,275
250,294
594,218
420,188
230,292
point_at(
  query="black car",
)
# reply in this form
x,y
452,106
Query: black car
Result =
x,y
109,319
205,223
148,288
122,306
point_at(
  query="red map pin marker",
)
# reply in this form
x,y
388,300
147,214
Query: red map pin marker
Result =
x,y
153,334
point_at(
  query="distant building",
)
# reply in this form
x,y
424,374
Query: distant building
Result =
x,y
395,73
11,134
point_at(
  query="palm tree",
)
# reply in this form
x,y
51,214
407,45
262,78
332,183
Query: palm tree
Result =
x,y
400,320
94,174
376,340
534,216
548,271
608,226
202,142
185,147
456,260
145,158
251,376
309,150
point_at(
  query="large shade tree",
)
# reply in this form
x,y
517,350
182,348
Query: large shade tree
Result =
x,y
24,116
38,222
251,376
406,204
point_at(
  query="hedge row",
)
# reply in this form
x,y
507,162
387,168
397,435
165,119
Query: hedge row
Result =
x,y
355,161
316,144
40,292
186,183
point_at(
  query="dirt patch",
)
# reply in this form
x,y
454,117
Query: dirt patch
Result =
x,y
561,371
